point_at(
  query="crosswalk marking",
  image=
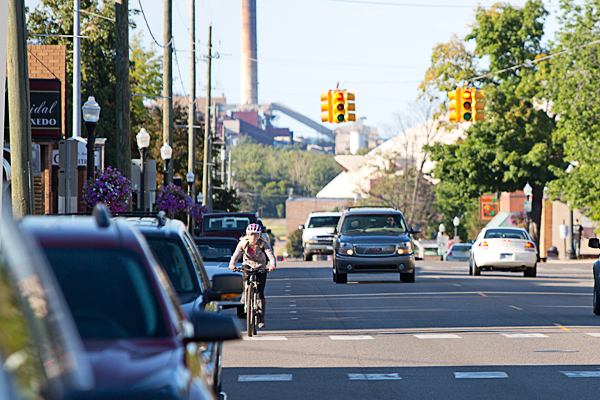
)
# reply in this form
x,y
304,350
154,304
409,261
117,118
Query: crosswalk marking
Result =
x,y
480,375
524,335
581,374
348,337
265,378
593,334
373,377
438,336
266,337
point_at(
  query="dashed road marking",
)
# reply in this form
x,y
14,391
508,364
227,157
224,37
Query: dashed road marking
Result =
x,y
593,334
348,337
373,377
265,378
516,308
438,336
293,312
524,335
581,374
266,337
480,375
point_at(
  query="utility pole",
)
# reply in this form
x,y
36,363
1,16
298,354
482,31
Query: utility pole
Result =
x,y
123,94
168,78
192,101
3,22
76,71
19,116
206,185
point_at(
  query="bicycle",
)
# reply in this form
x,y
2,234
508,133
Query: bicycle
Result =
x,y
251,299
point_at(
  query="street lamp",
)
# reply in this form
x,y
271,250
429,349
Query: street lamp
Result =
x,y
570,254
189,177
527,191
91,115
456,222
200,198
165,153
143,141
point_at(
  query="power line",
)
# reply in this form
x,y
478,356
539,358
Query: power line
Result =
x,y
419,5
149,30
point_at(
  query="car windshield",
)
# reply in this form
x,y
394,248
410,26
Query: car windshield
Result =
x,y
505,234
216,251
323,222
175,261
377,223
109,293
225,223
462,247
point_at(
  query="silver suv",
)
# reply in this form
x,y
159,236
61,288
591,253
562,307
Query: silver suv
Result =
x,y
373,240
315,238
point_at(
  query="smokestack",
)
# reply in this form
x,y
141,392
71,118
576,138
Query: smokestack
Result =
x,y
249,81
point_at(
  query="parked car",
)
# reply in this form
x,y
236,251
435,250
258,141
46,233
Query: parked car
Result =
x,y
315,238
373,240
459,252
594,243
231,225
503,249
41,353
179,258
125,310
216,253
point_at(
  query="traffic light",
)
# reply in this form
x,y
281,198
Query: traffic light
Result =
x,y
466,105
349,107
479,104
339,107
454,105
326,114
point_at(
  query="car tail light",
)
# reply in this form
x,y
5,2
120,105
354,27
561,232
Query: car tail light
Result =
x,y
450,254
483,244
529,246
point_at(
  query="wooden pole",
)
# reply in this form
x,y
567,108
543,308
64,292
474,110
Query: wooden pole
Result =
x,y
192,101
123,92
207,200
168,78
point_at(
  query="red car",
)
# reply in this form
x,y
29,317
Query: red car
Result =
x,y
135,334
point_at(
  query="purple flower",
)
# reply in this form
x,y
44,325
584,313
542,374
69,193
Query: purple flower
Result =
x,y
106,187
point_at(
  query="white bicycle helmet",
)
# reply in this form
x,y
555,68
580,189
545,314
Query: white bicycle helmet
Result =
x,y
253,228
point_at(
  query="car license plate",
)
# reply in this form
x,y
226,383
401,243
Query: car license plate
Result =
x,y
329,247
505,256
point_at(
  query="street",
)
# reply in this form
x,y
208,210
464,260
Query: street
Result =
x,y
446,336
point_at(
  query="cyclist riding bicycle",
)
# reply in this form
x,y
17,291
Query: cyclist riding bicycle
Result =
x,y
256,252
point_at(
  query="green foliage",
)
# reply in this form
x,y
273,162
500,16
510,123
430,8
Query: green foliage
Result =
x,y
55,17
264,174
294,244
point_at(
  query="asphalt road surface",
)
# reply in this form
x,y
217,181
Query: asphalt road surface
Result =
x,y
446,336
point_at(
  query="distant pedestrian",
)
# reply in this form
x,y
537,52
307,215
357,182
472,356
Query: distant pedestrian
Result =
x,y
577,234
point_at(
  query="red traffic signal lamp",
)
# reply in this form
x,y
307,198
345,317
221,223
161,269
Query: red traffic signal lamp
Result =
x,y
326,107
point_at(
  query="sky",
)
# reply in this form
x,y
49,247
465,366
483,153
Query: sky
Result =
x,y
377,49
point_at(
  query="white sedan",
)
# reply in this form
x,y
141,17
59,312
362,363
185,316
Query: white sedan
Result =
x,y
503,249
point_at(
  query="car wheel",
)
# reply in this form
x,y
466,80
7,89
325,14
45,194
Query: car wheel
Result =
x,y
476,269
530,272
307,256
596,303
470,266
407,277
340,278
240,311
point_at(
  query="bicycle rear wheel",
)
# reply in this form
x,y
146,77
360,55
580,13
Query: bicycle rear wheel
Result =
x,y
250,310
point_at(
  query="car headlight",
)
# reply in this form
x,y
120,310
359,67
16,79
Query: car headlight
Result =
x,y
404,248
345,248
312,240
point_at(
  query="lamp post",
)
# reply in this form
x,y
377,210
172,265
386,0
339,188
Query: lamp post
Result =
x,y
570,254
91,115
199,198
143,141
189,177
166,152
456,222
527,191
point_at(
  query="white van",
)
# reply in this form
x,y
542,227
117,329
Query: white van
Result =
x,y
315,239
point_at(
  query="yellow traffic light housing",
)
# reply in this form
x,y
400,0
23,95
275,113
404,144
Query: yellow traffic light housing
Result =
x,y
350,107
466,105
454,105
479,106
339,107
326,109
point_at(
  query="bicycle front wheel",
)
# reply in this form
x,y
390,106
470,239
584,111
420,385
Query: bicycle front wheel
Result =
x,y
250,310
255,312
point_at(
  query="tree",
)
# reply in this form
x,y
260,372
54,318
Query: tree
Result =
x,y
514,145
573,84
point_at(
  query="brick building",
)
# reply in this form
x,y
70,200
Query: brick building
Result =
x,y
298,208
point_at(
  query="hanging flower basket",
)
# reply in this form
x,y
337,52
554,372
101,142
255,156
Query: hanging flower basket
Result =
x,y
109,187
517,220
173,200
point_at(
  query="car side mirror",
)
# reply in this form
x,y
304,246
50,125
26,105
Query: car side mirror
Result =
x,y
331,231
594,243
225,286
415,229
211,327
300,227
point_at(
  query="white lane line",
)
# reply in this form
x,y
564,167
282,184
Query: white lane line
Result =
x,y
373,377
294,318
292,312
593,334
292,305
480,375
581,374
438,336
267,337
348,337
524,335
265,378
287,290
